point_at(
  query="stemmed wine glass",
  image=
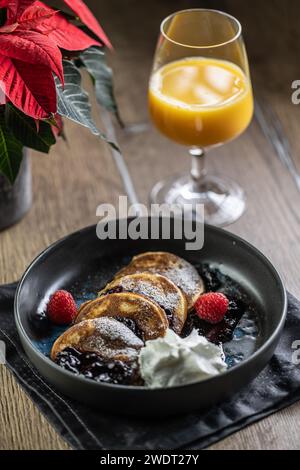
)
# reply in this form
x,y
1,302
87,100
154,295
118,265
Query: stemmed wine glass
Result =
x,y
200,96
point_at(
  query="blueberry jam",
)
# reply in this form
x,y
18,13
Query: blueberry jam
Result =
x,y
92,366
219,333
113,290
239,303
131,324
239,332
169,315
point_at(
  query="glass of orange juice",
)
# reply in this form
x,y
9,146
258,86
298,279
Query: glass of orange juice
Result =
x,y
200,96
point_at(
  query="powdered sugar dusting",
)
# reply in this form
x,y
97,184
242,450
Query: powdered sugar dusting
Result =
x,y
185,276
112,340
168,299
178,270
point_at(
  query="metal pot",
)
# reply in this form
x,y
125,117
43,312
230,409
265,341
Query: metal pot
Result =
x,y
16,199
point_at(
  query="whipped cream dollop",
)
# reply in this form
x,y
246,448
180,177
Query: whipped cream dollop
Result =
x,y
172,360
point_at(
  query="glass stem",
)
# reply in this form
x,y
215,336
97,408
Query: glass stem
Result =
x,y
198,170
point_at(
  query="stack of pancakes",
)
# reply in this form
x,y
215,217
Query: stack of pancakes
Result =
x,y
154,292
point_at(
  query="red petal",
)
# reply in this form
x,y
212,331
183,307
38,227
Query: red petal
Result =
x,y
66,35
32,47
34,15
15,8
58,130
31,89
87,17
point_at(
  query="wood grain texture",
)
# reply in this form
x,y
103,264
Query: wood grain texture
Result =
x,y
74,179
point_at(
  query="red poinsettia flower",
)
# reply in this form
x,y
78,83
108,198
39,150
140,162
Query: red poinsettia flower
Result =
x,y
30,43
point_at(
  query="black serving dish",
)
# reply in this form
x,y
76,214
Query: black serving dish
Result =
x,y
80,256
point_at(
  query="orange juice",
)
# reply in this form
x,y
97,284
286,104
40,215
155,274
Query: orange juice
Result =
x,y
200,102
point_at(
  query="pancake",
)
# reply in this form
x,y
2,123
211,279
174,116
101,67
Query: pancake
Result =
x,y
145,317
157,288
105,336
178,270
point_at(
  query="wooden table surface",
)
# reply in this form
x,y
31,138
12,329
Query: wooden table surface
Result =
x,y
75,178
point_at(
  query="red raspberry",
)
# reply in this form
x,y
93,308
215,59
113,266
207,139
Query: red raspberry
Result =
x,y
61,308
212,307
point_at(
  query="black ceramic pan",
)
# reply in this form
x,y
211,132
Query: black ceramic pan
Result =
x,y
83,263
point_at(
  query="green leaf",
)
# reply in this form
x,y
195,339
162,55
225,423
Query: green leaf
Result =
x,y
94,61
73,102
11,151
51,121
25,130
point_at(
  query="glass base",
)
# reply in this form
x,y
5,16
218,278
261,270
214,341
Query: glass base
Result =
x,y
223,199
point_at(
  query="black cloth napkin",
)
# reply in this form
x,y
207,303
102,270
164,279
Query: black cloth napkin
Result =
x,y
277,386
